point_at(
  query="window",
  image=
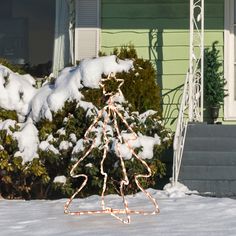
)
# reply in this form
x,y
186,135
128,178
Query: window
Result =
x,y
27,30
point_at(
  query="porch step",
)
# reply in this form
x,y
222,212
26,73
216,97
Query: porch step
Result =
x,y
219,188
209,159
208,172
217,144
206,130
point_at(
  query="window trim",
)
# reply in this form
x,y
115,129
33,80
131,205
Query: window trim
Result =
x,y
229,102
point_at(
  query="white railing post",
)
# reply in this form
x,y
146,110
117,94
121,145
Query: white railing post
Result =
x,y
196,60
191,61
180,133
202,57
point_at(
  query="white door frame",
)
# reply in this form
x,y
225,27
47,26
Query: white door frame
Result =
x,y
229,71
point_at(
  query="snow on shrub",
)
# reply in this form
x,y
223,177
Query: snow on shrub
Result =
x,y
27,138
92,70
60,179
7,125
17,91
41,146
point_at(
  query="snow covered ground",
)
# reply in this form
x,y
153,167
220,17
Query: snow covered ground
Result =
x,y
181,215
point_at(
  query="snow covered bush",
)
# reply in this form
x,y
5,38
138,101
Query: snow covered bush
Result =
x,y
18,178
42,130
14,68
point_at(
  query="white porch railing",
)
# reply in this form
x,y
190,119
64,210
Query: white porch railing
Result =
x,y
180,132
191,108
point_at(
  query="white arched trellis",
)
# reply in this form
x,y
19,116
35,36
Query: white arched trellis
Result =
x,y
196,56
191,108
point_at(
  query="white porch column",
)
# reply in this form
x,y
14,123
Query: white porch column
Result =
x,y
72,13
196,61
61,53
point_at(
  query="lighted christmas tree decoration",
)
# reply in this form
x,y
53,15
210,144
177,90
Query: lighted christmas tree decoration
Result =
x,y
108,117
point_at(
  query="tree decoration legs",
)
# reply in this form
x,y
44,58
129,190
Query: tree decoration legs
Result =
x,y
109,114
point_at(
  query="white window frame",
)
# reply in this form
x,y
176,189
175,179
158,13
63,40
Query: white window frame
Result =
x,y
229,74
96,29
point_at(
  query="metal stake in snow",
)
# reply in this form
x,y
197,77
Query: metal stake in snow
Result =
x,y
111,110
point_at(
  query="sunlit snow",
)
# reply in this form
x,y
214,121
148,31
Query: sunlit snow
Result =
x,y
181,215
91,70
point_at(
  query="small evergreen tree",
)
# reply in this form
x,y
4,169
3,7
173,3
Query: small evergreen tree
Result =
x,y
214,84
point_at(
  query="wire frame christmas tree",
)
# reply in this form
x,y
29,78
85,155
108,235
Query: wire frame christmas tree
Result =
x,y
108,113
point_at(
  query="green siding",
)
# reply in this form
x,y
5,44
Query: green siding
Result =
x,y
169,37
159,29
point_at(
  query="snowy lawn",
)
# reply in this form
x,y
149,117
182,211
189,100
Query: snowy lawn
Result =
x,y
182,215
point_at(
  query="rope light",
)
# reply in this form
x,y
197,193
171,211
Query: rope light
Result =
x,y
111,110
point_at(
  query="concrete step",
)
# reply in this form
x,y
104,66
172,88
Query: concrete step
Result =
x,y
207,173
219,188
205,130
209,158
219,144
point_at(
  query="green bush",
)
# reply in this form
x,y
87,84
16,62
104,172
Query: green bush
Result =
x,y
5,114
140,88
18,179
35,179
15,68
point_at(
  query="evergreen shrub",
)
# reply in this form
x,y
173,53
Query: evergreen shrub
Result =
x,y
18,179
36,179
15,68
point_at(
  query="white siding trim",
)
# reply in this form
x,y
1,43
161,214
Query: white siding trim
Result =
x,y
229,103
87,31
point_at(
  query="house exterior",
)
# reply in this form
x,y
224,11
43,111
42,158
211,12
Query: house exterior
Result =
x,y
170,33
173,34
65,31
159,30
